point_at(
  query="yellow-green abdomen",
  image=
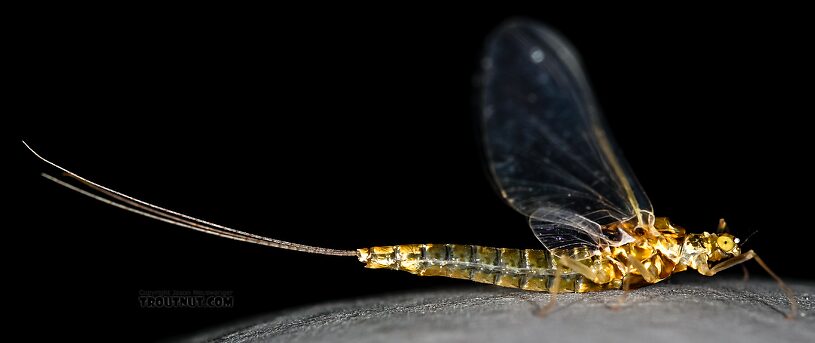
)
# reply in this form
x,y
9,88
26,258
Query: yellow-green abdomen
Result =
x,y
528,269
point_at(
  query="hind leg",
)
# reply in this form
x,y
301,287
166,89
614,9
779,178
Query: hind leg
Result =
x,y
573,265
553,290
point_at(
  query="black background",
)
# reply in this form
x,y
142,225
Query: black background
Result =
x,y
353,130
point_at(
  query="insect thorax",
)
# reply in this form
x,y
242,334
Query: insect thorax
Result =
x,y
661,254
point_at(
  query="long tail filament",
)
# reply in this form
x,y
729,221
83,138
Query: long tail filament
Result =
x,y
128,203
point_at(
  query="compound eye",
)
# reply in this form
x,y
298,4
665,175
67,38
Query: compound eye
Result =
x,y
726,243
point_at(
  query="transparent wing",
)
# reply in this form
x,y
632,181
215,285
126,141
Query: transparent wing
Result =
x,y
548,149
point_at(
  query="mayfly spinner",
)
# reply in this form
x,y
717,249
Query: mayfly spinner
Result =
x,y
552,159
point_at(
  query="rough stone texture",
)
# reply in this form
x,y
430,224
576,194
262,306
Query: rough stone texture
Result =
x,y
688,309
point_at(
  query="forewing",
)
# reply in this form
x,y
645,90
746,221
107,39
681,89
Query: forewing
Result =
x,y
548,149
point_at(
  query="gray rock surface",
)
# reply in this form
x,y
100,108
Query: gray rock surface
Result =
x,y
687,309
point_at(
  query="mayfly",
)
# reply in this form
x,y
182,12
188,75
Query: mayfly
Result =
x,y
551,159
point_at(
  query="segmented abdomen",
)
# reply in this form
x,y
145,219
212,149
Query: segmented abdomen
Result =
x,y
528,269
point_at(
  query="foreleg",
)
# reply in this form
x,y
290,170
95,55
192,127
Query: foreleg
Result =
x,y
751,255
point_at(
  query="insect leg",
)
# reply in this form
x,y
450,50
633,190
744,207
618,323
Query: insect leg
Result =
x,y
644,272
736,260
584,270
647,275
746,276
544,311
751,255
567,262
626,290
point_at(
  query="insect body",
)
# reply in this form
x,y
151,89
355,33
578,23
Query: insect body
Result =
x,y
641,262
552,160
